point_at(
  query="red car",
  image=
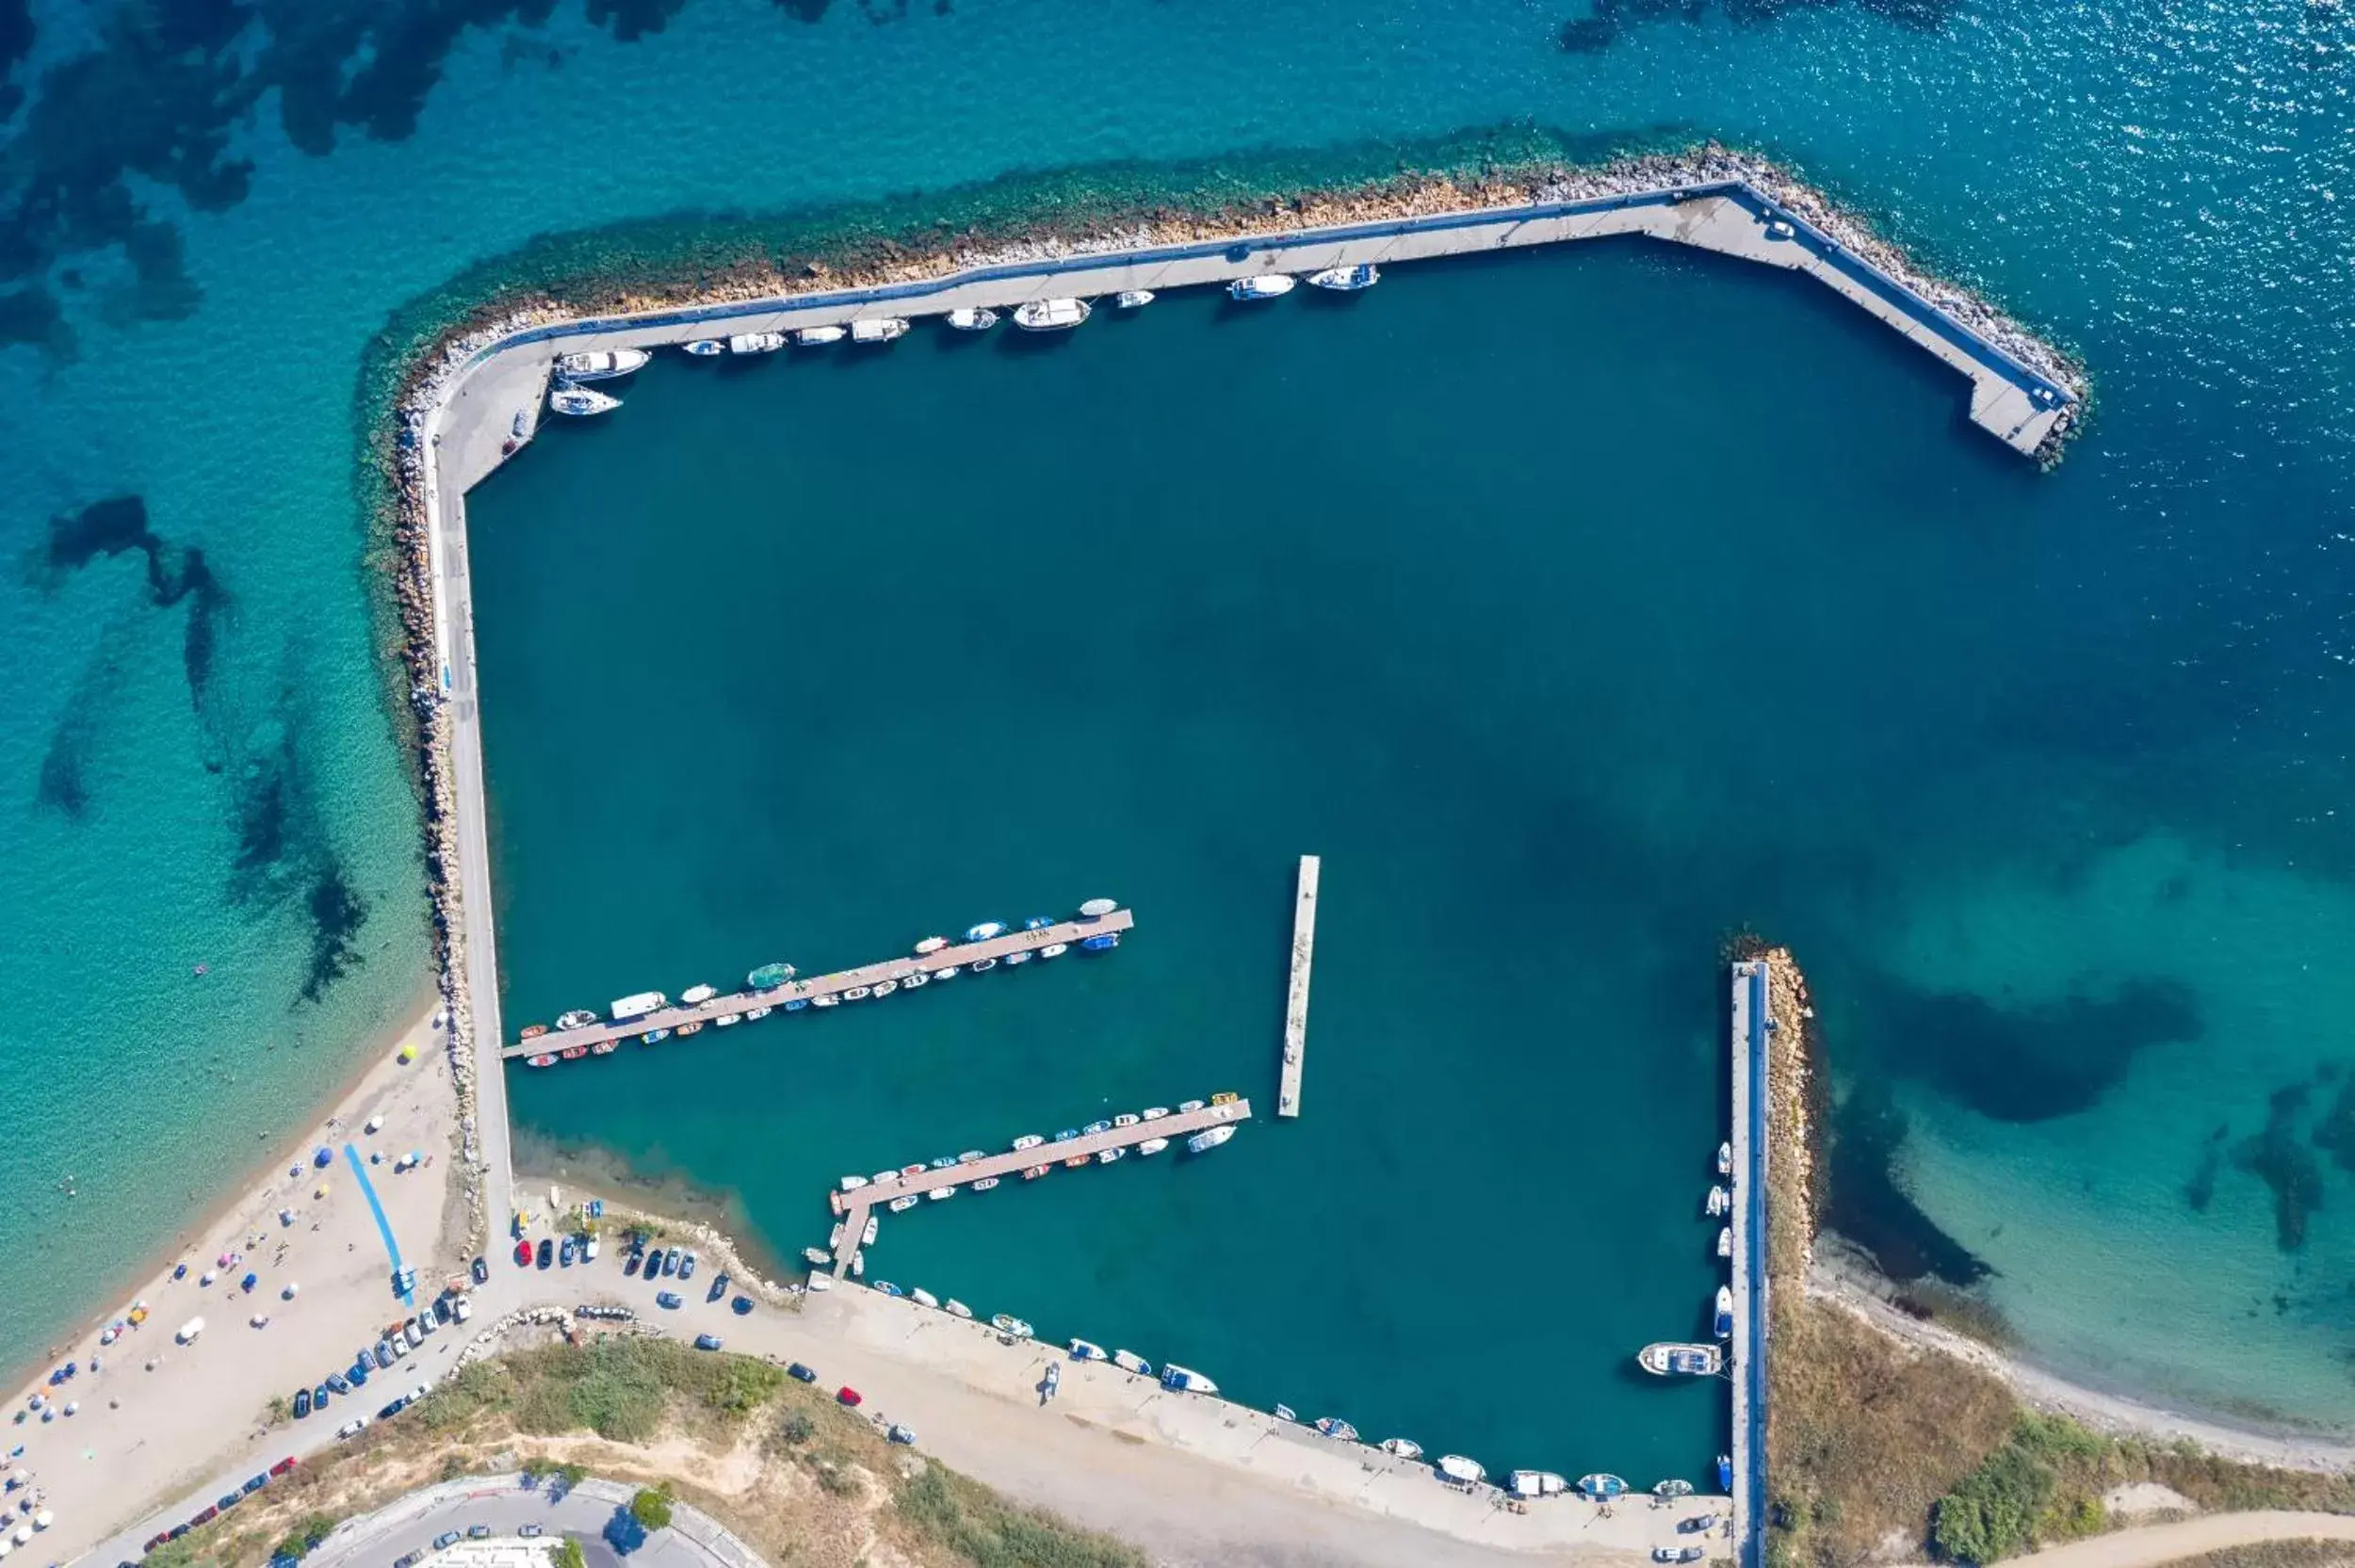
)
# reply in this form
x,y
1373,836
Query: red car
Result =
x,y
161,1536
850,1396
523,1254
282,1466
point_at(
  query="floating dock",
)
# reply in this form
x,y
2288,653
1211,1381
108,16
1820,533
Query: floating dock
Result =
x,y
1750,1022
954,961
856,1205
1296,1004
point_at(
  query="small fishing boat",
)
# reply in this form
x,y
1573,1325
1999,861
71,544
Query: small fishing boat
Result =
x,y
1054,949
1405,1447
1667,1358
971,1156
653,1037
834,1237
1102,942
688,1028
754,1016
956,1308
1462,1471
755,342
1724,1472
532,1031
1225,1097
1036,923
1095,1128
704,347
1184,1380
1346,280
728,1020
581,401
1075,1162
1105,1156
1672,1488
1027,1141
1335,1429
795,1004
878,329
1719,1200
1128,1361
1033,1172
852,1184
1154,1113
546,1059
1013,959
916,980
938,1193
574,1053
930,945
1005,1322
1725,1241
579,1018
905,1201
1535,1483
858,1265
922,1296
1152,1146
943,1162
601,364
1725,1159
981,965
811,337
858,993
696,995
1126,1119
769,977
946,973
1187,1106
1066,1134
817,1258
1208,1139
826,1001
884,988
603,1047
1096,909
1725,1312
866,1236
1264,286
1082,1349
886,1178
1602,1486
884,1288
985,1184
986,930
633,1005
1050,315
1132,298
970,319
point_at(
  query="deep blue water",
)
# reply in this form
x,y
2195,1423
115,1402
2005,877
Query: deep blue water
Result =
x,y
2042,775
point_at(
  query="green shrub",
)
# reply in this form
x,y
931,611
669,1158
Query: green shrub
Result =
x,y
305,1536
651,1507
1993,1511
797,1428
565,1554
990,1534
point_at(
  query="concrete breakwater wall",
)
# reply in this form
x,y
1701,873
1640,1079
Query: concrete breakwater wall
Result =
x,y
476,394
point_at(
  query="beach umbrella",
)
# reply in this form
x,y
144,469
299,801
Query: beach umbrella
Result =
x,y
319,1192
207,1277
408,1054
374,1125
5,1547
322,1159
42,1520
72,1406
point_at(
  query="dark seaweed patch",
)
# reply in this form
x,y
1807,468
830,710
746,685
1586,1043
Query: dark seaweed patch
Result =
x,y
336,915
32,316
802,10
1610,19
2276,1158
2200,1190
16,42
2028,1065
631,20
174,573
1869,1207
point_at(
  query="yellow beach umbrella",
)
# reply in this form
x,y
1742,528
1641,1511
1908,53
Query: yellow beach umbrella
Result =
x,y
408,1054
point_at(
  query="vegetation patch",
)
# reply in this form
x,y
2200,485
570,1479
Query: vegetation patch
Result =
x,y
2275,1553
985,1531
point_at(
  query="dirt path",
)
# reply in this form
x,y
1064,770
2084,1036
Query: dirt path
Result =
x,y
2152,1545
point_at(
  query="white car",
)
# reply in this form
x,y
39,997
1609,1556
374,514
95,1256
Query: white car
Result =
x,y
408,1332
352,1427
462,1308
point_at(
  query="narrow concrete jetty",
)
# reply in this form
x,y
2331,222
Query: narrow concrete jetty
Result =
x,y
948,963
1750,1023
1296,1007
857,1204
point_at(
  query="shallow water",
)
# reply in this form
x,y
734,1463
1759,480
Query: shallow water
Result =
x,y
2029,740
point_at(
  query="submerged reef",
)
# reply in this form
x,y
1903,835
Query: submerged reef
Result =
x,y
2279,1159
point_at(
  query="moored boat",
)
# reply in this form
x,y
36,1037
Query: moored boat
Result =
x,y
1337,1428
878,329
1154,1113
795,1004
574,1053
1105,1156
1208,1139
852,1184
826,1001
704,347
1082,1349
915,982
1724,1472
605,1047
1405,1447
930,945
755,342
1130,298
754,1016
1535,1483
653,1037
1346,280
546,1059
1027,1141
972,319
985,1184
1185,1379
1033,1172
769,977
599,365
1050,315
1263,286
1102,942
1152,1146
694,1027
1725,1312
866,1236
956,1308
939,1193
1075,1162
1054,949
1013,959
981,965
943,1162
1036,923
727,1020
1006,1322
1128,1361
1668,1357
578,1018
1095,1128
1126,1119
532,1031
986,930
947,972
1096,909
1719,1200
884,988
811,337
971,1156
1725,1241
635,1006
1602,1486
581,401
1672,1488
695,995
817,1258
903,1203
1185,1106
885,1287
1725,1159
1462,1471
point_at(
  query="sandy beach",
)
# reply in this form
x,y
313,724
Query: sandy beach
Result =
x,y
154,1415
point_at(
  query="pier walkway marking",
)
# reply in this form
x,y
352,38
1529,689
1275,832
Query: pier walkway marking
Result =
x,y
856,1205
1069,932
1296,1006
1750,1019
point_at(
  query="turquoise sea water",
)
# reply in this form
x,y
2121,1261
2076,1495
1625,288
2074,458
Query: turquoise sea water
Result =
x,y
2042,776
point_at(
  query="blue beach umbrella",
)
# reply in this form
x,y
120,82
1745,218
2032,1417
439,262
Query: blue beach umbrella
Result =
x,y
322,1159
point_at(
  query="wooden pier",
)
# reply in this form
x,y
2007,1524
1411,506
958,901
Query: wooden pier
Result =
x,y
1296,1006
858,1203
896,971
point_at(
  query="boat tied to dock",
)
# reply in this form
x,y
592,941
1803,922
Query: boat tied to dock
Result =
x,y
601,364
1346,280
581,401
1050,315
1667,1358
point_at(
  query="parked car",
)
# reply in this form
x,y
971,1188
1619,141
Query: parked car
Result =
x,y
686,1267
205,1518
284,1466
161,1536
358,1373
443,1311
671,1256
667,1300
850,1396
337,1381
478,1532
446,1540
900,1434
301,1403
352,1427
564,1253
801,1372
530,1532
384,1356
228,1501
481,1270
411,1334
408,1560
706,1342
1699,1523
461,1309
395,1407
718,1287
742,1306
523,1254
424,1322
255,1484
320,1396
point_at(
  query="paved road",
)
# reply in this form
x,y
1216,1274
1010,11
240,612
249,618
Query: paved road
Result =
x,y
585,1513
2151,1545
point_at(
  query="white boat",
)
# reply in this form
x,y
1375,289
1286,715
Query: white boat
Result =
x,y
904,1202
983,966
1185,1379
858,993
755,342
1335,1429
1725,1241
1346,280
1535,1483
916,981
930,945
1184,1106
1027,1141
1719,1200
1725,1312
578,1018
1462,1471
639,1005
1672,1488
1208,1139
817,1258
949,972
1725,1159
581,401
810,337
922,1296
1154,1113
878,329
1694,1361
866,1236
834,1237
1050,315
601,364
1054,949
884,988
696,995
704,347
1005,1322
985,1184
1152,1146
1105,1156
727,1019
826,1001
1405,1447
956,1308
937,1193
852,1184
1128,1361
1265,286
1129,298
1083,1350
970,319
1096,909
986,930
1013,959
1126,1119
